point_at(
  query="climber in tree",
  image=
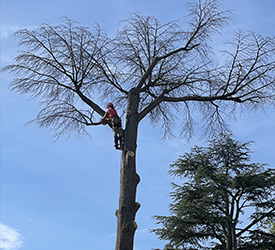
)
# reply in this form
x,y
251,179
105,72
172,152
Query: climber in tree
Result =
x,y
112,116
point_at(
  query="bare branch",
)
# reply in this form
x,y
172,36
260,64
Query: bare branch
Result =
x,y
64,118
169,68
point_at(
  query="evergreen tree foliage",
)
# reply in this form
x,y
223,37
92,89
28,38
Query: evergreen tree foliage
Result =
x,y
269,225
221,188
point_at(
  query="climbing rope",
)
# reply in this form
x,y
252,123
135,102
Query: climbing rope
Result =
x,y
131,115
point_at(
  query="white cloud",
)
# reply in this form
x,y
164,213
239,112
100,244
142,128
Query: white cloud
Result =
x,y
10,239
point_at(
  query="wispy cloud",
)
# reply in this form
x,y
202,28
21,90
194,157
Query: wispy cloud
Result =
x,y
8,30
10,239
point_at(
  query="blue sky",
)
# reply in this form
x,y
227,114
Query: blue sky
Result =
x,y
64,195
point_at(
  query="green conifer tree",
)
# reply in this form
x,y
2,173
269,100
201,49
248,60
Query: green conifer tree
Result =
x,y
222,201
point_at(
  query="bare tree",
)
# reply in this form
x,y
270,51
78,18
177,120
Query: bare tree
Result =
x,y
157,70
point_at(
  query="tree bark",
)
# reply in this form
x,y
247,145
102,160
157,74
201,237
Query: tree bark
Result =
x,y
234,238
129,179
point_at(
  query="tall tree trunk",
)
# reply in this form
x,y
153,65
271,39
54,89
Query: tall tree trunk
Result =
x,y
234,238
229,237
129,179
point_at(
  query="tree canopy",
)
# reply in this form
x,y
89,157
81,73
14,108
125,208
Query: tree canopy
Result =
x,y
73,70
223,198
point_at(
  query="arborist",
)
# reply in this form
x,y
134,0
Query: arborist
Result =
x,y
112,116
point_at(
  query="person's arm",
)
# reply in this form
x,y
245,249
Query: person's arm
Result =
x,y
105,115
104,118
